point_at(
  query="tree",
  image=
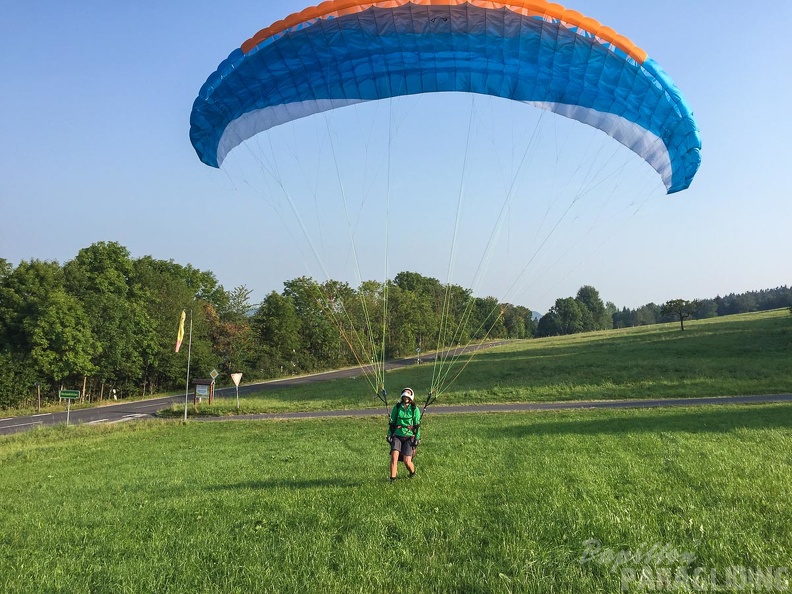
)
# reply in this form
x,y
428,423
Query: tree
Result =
x,y
276,325
320,342
359,317
570,315
163,290
608,316
486,320
681,309
18,375
423,285
102,268
549,325
745,303
5,268
205,287
238,305
590,298
26,295
707,309
18,378
356,317
100,276
647,314
62,340
403,322
230,332
518,321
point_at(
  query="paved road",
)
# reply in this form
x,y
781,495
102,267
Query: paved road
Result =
x,y
146,409
119,413
130,411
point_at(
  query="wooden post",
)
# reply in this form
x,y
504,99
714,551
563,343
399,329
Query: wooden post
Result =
x,y
85,379
38,396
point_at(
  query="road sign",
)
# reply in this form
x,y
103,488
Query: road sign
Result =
x,y
69,395
237,377
214,374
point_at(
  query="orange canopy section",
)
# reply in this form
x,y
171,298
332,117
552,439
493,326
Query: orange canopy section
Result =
x,y
535,8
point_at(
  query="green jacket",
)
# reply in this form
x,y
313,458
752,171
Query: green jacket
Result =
x,y
405,422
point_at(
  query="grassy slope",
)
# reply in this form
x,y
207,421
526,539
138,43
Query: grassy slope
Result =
x,y
502,503
734,355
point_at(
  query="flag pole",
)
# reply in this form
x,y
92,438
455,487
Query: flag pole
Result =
x,y
189,354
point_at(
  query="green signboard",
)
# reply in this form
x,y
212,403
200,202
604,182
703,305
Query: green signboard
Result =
x,y
70,394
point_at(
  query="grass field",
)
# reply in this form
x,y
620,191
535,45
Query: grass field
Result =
x,y
734,355
501,503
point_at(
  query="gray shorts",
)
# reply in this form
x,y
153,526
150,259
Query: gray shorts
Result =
x,y
402,445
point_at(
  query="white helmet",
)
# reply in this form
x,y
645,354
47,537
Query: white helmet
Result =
x,y
408,392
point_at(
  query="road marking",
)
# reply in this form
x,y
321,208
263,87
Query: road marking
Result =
x,y
7,419
128,418
97,421
41,415
23,424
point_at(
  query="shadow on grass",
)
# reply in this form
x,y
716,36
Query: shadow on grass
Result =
x,y
318,483
657,421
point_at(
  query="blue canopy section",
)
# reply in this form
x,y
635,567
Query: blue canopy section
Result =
x,y
380,53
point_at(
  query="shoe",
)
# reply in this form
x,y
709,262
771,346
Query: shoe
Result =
x,y
412,474
393,478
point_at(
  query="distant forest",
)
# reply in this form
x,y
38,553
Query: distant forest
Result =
x,y
104,321
586,312
733,303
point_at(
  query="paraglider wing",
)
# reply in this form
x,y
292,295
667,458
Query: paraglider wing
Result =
x,y
344,52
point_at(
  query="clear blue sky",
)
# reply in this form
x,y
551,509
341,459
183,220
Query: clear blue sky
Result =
x,y
94,118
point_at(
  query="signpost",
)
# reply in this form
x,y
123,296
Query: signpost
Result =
x,y
202,388
237,377
69,395
213,375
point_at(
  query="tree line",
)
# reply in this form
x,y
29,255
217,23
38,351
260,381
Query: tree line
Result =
x,y
699,309
586,311
105,321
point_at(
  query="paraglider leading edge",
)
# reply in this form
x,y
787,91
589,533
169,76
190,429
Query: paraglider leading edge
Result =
x,y
345,52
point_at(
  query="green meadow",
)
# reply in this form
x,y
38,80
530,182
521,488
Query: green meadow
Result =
x,y
573,501
680,499
734,355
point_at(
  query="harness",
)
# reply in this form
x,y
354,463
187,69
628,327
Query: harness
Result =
x,y
414,427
